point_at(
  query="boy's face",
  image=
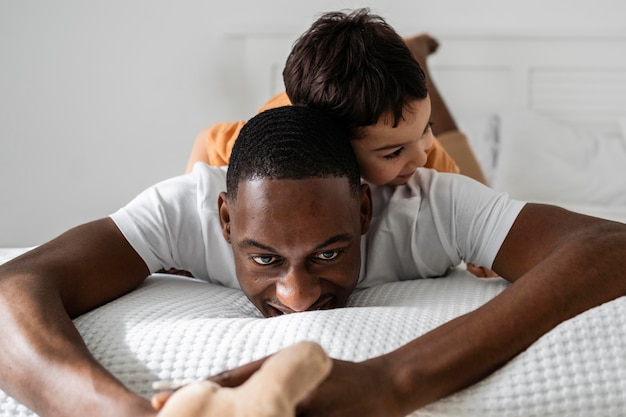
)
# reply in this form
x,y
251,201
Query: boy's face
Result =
x,y
296,242
390,155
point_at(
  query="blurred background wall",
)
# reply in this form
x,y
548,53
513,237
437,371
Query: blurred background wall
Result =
x,y
101,99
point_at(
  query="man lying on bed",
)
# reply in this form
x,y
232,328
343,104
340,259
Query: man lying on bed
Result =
x,y
296,231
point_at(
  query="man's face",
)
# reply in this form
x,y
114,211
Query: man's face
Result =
x,y
296,242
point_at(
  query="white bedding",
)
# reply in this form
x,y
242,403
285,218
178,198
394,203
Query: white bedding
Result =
x,y
538,158
177,328
546,160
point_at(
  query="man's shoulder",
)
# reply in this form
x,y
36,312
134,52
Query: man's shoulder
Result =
x,y
429,191
190,191
429,176
208,181
206,175
422,184
430,182
204,169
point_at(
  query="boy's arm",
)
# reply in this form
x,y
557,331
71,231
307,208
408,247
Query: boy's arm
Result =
x,y
198,151
45,363
439,160
214,144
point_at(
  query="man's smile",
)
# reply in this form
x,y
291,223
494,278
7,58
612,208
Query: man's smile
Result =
x,y
276,308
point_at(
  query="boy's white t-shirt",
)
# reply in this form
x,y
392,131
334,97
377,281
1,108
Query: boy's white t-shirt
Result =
x,y
419,230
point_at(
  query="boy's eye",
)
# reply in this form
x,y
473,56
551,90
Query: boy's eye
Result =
x,y
395,154
264,259
327,255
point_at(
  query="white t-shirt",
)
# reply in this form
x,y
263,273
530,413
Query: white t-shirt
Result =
x,y
419,230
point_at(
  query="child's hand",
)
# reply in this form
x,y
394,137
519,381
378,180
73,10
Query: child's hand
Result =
x,y
481,271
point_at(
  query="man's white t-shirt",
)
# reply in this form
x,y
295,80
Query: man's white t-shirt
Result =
x,y
419,230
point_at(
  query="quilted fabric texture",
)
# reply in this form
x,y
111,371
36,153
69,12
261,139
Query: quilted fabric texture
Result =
x,y
173,328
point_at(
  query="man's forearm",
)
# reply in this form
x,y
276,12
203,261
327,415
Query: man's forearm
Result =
x,y
575,277
46,365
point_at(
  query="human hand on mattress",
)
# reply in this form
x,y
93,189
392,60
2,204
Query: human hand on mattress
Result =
x,y
273,389
301,376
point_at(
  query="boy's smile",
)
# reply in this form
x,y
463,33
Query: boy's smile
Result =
x,y
390,155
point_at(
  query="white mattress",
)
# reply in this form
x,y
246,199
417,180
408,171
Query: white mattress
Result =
x,y
177,328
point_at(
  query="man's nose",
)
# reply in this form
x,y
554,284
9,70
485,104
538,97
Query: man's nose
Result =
x,y
298,290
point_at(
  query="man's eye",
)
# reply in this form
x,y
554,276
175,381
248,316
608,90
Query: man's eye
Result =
x,y
328,255
264,259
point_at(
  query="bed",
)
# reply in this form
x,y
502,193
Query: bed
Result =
x,y
547,120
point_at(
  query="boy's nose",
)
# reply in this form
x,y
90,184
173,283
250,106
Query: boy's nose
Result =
x,y
419,154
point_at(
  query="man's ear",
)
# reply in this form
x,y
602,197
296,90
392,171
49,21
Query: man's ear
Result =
x,y
366,208
222,207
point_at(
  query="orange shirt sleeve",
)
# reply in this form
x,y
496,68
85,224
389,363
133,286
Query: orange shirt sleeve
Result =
x,y
279,100
439,160
221,137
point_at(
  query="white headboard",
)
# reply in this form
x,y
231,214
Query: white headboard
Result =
x,y
538,110
582,80
577,80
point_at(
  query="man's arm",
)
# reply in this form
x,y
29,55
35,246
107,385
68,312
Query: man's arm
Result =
x,y
561,264
45,363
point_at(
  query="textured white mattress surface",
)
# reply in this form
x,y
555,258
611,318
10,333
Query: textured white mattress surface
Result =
x,y
175,328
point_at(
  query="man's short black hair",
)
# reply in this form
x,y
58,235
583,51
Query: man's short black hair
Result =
x,y
292,142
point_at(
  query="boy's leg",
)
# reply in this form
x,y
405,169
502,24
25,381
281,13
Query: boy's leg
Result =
x,y
422,46
444,125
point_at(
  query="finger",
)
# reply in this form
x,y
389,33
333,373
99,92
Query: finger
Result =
x,y
158,400
235,377
476,270
491,274
295,371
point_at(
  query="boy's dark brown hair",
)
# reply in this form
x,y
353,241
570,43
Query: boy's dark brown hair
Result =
x,y
356,66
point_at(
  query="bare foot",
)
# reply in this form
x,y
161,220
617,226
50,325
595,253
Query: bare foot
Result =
x,y
421,46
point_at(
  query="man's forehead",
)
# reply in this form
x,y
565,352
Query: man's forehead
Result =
x,y
284,199
263,185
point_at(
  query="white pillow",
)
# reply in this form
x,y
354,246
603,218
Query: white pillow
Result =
x,y
544,160
481,130
172,328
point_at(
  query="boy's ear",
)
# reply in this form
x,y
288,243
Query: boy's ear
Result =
x,y
222,207
366,208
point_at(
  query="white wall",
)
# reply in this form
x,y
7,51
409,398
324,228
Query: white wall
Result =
x,y
100,99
